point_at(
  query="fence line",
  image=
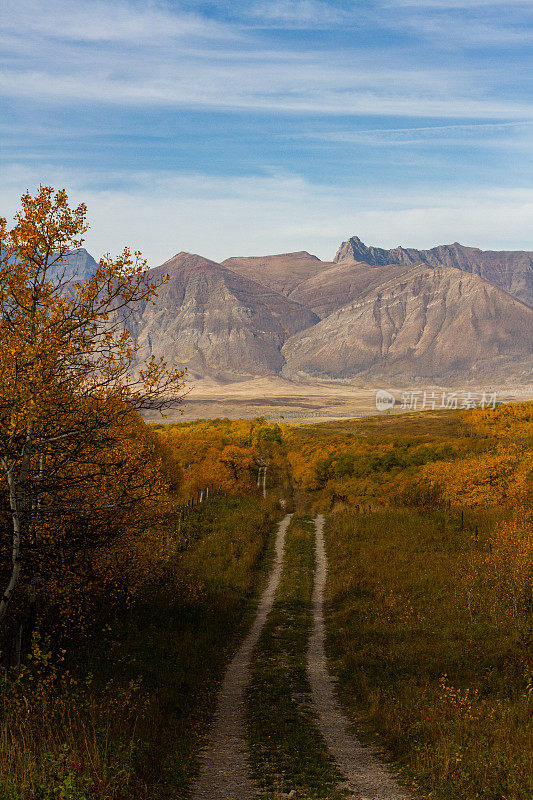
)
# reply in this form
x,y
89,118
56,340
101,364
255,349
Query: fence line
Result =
x,y
193,502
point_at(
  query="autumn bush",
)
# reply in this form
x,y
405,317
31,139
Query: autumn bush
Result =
x,y
224,453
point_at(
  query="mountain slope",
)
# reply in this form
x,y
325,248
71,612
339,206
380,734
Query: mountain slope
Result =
x,y
215,321
510,270
434,324
79,265
76,265
343,283
283,272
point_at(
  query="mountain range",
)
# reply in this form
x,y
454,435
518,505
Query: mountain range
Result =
x,y
449,315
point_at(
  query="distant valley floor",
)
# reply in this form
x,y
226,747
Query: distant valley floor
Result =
x,y
279,400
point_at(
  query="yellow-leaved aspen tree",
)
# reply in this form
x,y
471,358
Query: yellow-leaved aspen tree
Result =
x,y
68,371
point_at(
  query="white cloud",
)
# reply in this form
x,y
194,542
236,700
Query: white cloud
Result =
x,y
447,23
219,217
508,135
107,21
463,32
148,54
299,13
276,82
456,24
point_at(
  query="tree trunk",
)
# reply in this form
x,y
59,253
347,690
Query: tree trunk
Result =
x,y
15,555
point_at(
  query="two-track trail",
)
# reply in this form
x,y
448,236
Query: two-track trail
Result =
x,y
224,772
366,777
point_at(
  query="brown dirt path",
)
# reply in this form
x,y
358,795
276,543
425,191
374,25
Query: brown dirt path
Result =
x,y
366,777
224,772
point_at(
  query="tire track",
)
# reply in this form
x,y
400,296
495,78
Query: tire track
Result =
x,y
224,771
366,777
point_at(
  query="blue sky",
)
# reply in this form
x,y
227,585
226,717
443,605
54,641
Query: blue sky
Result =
x,y
230,128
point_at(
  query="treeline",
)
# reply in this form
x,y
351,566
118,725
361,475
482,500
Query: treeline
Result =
x,y
221,453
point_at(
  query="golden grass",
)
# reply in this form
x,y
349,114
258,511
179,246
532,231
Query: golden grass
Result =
x,y
444,689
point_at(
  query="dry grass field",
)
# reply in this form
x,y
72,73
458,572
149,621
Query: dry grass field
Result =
x,y
279,400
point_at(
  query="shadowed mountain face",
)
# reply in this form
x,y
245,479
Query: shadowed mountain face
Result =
x,y
438,324
215,321
511,271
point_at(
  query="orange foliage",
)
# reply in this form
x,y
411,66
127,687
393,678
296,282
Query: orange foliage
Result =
x,y
72,450
221,453
496,478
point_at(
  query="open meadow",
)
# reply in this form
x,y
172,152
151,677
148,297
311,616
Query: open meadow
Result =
x,y
110,678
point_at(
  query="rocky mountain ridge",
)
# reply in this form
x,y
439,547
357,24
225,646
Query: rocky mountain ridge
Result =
x,y
433,324
215,321
449,315
510,270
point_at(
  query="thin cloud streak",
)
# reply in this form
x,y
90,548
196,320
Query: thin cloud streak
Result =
x,y
108,21
509,135
219,96
162,214
299,14
447,24
269,82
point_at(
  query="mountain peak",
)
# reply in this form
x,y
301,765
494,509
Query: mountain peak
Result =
x,y
282,271
299,254
510,270
356,250
188,261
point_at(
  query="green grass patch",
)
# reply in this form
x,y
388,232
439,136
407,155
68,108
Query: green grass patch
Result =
x,y
180,643
287,749
422,664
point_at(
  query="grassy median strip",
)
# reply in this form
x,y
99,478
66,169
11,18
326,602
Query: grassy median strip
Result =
x,y
287,749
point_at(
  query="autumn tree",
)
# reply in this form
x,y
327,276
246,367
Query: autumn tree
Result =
x,y
69,380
